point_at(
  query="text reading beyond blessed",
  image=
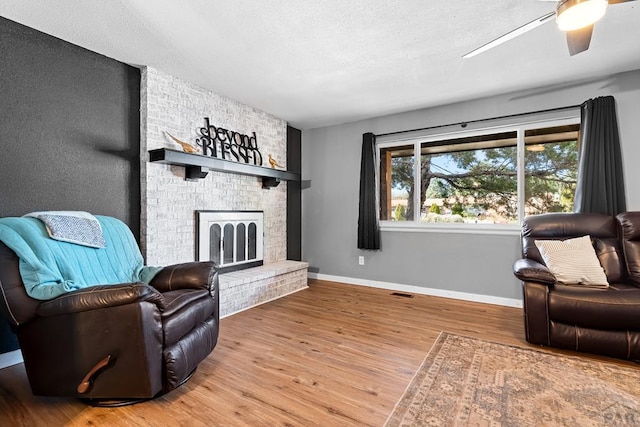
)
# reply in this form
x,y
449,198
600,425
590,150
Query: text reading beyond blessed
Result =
x,y
229,145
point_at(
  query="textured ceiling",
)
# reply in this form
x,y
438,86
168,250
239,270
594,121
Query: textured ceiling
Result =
x,y
321,62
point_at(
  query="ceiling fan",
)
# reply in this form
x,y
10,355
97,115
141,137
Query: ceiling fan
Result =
x,y
575,17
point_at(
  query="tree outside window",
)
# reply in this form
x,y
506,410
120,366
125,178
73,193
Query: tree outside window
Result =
x,y
475,179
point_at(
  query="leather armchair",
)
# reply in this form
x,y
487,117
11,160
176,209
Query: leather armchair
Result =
x,y
602,321
114,341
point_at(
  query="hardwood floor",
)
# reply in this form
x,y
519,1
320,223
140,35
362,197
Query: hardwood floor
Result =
x,y
330,355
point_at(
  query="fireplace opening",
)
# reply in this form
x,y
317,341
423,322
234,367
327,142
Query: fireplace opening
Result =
x,y
231,239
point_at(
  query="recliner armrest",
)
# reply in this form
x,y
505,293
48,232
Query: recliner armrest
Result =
x,y
189,275
529,270
101,296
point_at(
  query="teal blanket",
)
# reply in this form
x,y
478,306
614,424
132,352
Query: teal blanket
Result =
x,y
50,268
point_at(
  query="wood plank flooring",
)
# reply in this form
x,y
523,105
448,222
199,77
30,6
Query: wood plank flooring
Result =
x,y
330,355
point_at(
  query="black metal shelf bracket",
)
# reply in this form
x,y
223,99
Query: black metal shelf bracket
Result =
x,y
194,173
268,182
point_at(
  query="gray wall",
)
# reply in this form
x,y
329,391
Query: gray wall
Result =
x,y
69,131
470,263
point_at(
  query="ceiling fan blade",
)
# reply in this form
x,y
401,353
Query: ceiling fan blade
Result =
x,y
512,34
619,1
579,40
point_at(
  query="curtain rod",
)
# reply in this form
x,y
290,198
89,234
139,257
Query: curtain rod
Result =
x,y
464,124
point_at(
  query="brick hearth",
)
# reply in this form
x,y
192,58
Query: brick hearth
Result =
x,y
244,289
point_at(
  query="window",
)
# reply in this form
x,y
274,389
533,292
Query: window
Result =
x,y
486,176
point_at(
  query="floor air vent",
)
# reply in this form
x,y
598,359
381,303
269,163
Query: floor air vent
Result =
x,y
400,294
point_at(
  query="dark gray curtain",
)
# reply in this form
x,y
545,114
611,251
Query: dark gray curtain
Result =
x,y
368,225
600,187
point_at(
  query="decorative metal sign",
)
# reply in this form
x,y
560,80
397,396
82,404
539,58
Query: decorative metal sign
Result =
x,y
228,145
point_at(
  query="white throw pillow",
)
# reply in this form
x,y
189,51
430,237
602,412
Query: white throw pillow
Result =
x,y
573,261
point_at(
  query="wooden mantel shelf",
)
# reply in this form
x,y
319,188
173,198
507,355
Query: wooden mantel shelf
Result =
x,y
197,167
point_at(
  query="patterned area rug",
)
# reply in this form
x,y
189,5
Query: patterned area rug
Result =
x,y
466,381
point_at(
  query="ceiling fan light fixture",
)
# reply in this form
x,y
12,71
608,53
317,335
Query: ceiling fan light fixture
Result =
x,y
575,14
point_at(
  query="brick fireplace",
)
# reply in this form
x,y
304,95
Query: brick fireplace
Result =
x,y
168,223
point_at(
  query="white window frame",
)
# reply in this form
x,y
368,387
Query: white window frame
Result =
x,y
518,124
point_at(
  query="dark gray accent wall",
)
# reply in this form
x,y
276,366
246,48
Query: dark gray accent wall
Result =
x,y
479,264
294,195
69,130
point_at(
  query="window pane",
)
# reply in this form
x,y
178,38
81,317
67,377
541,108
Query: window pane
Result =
x,y
470,180
397,183
551,169
474,179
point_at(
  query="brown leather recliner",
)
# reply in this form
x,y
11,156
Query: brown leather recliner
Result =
x,y
602,321
124,341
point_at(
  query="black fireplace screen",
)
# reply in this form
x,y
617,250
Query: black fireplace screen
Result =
x,y
232,239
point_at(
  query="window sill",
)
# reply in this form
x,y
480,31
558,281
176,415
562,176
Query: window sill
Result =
x,y
421,227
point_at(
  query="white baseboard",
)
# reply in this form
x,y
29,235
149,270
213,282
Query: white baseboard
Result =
x,y
11,358
487,299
